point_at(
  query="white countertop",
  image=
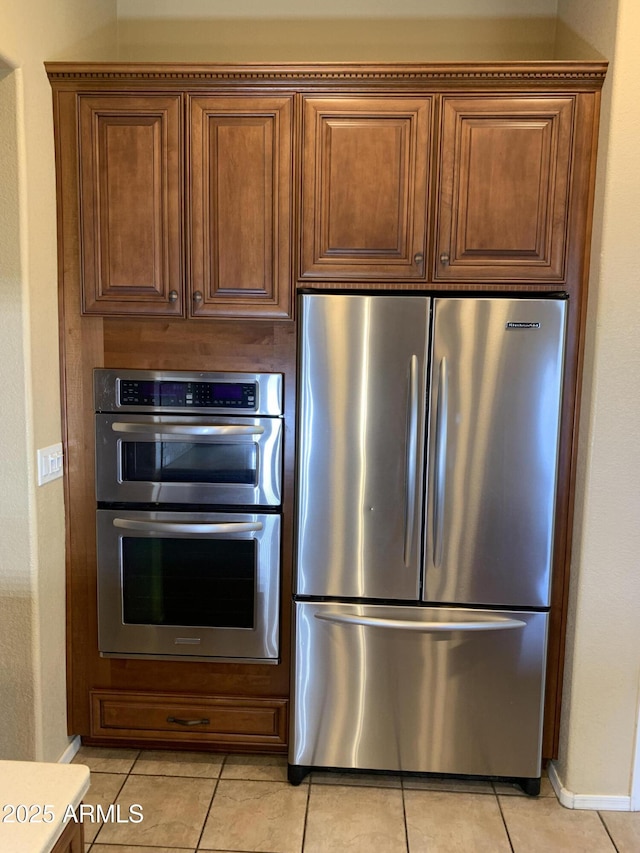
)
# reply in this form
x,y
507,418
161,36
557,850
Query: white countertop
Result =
x,y
26,787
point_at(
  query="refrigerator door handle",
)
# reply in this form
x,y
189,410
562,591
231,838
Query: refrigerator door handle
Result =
x,y
441,461
488,624
412,455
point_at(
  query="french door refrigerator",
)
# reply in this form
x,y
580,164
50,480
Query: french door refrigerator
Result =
x,y
426,480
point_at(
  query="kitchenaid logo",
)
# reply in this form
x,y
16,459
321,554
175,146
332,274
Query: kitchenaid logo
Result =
x,y
522,326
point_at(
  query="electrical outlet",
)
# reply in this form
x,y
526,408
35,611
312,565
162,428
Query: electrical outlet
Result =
x,y
50,463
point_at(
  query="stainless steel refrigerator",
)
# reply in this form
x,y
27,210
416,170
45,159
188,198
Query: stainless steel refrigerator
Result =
x,y
426,482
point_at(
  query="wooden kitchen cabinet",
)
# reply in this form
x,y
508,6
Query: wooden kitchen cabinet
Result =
x,y
240,205
234,722
71,840
236,181
130,209
365,172
133,205
504,188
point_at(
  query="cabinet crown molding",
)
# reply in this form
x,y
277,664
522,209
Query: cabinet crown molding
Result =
x,y
546,74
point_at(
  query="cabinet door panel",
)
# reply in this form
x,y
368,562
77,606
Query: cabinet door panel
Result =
x,y
131,204
241,206
364,192
504,185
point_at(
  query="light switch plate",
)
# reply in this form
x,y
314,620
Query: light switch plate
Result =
x,y
50,463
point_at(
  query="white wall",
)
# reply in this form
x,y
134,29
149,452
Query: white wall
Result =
x,y
602,678
32,609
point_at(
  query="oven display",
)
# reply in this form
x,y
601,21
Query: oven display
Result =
x,y
198,395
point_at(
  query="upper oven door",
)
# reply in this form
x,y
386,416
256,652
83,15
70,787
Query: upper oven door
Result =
x,y
195,460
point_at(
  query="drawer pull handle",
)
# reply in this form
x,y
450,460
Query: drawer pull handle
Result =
x,y
180,722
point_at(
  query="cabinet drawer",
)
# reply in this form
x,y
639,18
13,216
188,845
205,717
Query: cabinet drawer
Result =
x,y
236,721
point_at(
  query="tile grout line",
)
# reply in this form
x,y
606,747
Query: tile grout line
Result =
x,y
404,814
126,776
306,816
504,821
606,829
215,788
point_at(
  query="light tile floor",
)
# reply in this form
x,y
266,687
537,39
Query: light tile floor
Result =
x,y
194,801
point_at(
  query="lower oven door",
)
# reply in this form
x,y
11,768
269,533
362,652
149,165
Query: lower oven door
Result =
x,y
188,585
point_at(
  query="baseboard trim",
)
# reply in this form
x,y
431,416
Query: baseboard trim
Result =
x,y
586,801
70,751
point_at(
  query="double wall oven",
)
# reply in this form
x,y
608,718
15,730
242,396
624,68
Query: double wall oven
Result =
x,y
188,484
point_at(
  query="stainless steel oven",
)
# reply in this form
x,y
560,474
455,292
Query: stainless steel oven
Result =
x,y
188,487
203,438
188,584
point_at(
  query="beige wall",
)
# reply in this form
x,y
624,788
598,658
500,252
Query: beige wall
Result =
x,y
32,644
187,9
16,662
600,709
300,30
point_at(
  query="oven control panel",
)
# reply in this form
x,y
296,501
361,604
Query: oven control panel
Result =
x,y
194,395
182,392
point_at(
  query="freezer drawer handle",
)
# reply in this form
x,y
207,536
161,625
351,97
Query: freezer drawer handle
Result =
x,y
441,461
187,429
412,455
159,527
497,624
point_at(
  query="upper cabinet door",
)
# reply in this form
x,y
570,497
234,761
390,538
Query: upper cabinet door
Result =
x,y
365,171
240,204
131,204
504,188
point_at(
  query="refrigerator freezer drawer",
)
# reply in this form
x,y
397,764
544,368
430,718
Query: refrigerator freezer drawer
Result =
x,y
424,689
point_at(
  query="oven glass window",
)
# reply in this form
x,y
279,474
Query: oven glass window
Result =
x,y
189,582
189,462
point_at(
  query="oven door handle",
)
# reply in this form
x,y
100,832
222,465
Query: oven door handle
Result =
x,y
161,527
188,429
